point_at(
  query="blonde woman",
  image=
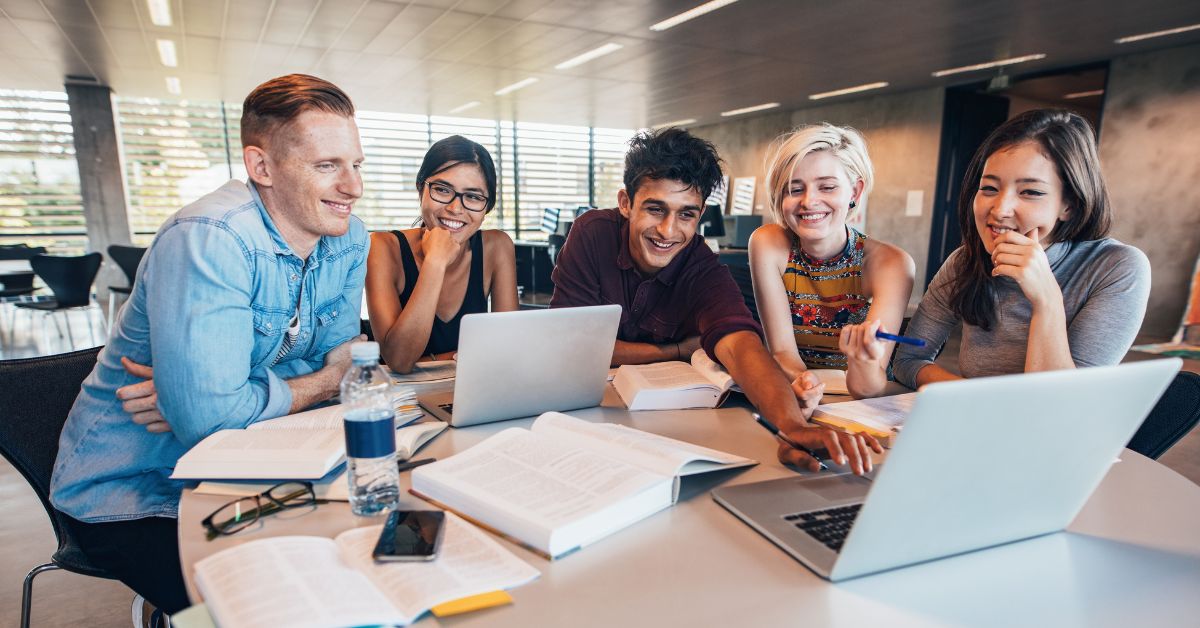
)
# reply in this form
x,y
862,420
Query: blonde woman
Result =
x,y
823,288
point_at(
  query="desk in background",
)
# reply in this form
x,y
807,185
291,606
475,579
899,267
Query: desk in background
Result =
x,y
1132,557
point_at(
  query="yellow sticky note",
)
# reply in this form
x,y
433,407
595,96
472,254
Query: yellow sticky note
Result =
x,y
472,603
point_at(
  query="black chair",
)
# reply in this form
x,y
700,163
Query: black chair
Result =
x,y
127,259
70,279
1175,414
20,251
35,396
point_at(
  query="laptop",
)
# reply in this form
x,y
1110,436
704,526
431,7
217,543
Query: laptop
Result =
x,y
519,364
979,463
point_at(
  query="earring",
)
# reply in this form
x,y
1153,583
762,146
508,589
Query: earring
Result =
x,y
853,204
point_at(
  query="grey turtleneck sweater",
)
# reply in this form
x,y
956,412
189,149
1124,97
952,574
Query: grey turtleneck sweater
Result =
x,y
1105,285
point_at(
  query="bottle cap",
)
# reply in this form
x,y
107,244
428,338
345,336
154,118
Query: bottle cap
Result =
x,y
364,351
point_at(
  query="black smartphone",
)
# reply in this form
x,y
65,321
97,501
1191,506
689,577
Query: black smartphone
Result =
x,y
410,535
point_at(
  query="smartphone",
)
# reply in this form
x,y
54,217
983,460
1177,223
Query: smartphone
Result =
x,y
410,535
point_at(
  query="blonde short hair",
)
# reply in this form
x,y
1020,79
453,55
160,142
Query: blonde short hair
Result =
x,y
844,143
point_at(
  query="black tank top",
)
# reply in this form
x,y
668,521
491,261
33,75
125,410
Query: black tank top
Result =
x,y
444,335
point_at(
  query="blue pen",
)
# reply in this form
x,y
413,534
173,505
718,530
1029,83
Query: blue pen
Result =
x,y
916,342
783,437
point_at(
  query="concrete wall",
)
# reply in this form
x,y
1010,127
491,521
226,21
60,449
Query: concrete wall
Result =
x,y
903,133
1150,151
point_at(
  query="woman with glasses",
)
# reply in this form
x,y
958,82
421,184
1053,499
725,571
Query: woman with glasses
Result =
x,y
422,281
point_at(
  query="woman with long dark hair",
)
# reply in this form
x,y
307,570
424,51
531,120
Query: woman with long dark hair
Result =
x,y
422,281
1036,284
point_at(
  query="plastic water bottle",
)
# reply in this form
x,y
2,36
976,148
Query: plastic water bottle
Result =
x,y
370,424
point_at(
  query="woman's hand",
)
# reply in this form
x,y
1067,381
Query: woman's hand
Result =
x,y
1022,258
441,247
859,343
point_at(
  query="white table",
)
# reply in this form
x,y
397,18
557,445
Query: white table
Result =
x,y
1132,557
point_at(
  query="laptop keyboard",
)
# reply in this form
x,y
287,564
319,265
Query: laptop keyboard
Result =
x,y
829,526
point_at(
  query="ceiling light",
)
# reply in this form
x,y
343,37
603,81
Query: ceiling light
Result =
x,y
683,122
160,12
515,86
691,14
990,64
174,86
166,53
849,90
1094,92
606,49
461,108
762,107
1170,31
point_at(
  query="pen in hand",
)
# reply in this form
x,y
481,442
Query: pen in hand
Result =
x,y
770,427
904,340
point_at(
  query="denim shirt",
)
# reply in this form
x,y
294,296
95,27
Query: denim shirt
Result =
x,y
209,310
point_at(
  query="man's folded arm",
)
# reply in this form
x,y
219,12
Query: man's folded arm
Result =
x,y
202,334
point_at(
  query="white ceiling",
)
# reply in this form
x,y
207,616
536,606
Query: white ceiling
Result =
x,y
431,56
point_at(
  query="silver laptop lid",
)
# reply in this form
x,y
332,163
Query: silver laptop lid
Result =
x,y
992,460
518,364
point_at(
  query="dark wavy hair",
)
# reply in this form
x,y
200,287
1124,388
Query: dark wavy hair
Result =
x,y
274,104
672,154
1067,140
448,152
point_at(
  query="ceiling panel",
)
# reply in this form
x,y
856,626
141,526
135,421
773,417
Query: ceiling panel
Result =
x,y
430,56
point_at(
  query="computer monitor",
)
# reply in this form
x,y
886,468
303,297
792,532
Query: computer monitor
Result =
x,y
712,223
738,230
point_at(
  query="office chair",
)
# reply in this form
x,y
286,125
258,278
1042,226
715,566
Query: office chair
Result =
x,y
1175,414
16,285
35,396
70,279
127,259
555,242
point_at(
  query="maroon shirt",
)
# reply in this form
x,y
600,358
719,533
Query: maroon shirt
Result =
x,y
693,296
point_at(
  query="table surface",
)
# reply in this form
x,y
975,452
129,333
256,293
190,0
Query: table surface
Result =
x,y
1131,557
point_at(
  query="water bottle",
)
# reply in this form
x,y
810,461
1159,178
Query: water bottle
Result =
x,y
370,424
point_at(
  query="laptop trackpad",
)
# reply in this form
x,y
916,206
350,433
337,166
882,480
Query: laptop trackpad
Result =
x,y
837,488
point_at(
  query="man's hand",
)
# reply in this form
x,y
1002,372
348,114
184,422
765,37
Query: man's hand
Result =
x,y
140,400
842,448
687,347
338,361
808,390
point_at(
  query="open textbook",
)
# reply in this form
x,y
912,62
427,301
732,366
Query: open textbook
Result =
x,y
565,483
673,385
302,446
316,582
333,486
881,417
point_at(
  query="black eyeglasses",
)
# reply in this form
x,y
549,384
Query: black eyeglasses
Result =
x,y
240,513
444,194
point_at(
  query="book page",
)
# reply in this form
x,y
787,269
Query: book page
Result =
x,y
232,445
881,413
469,563
298,581
542,479
834,380
660,454
668,376
330,417
713,372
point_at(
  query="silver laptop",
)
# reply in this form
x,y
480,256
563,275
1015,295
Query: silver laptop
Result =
x,y
979,463
518,364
